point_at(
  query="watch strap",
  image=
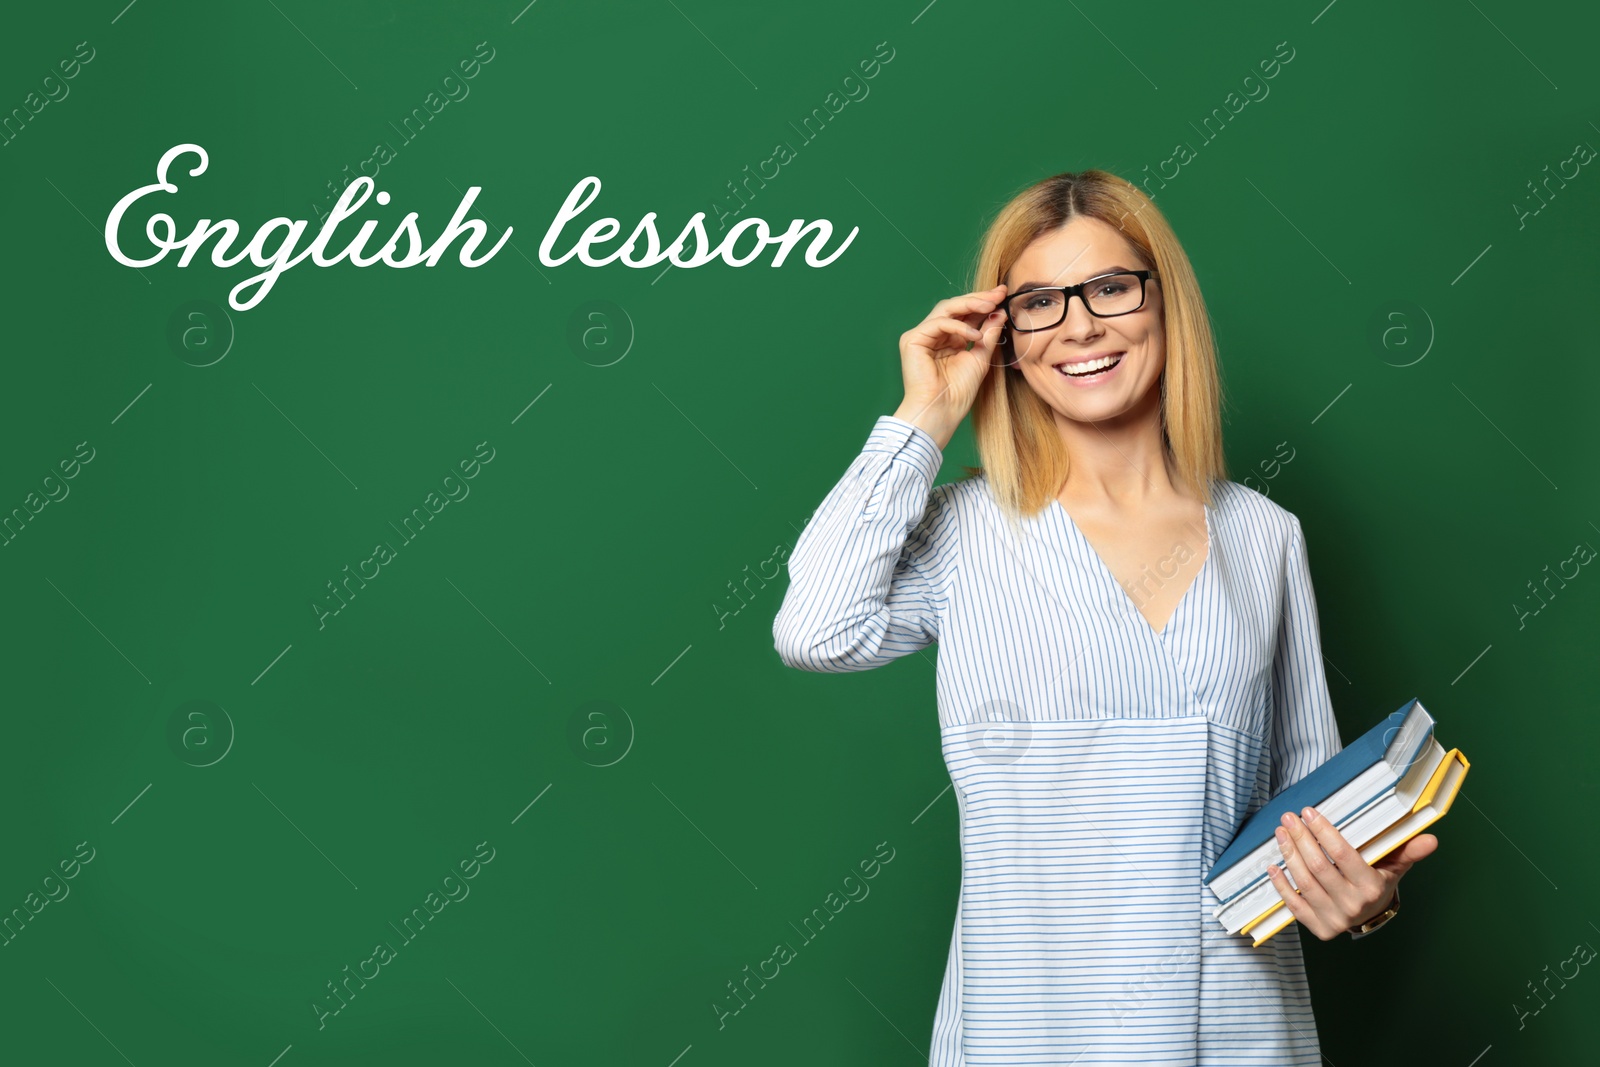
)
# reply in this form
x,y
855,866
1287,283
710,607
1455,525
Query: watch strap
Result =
x,y
1357,932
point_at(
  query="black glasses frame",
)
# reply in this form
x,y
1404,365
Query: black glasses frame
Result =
x,y
1069,291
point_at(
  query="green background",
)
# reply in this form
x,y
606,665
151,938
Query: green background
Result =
x,y
557,667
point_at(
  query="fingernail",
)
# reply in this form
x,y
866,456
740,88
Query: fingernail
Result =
x,y
1310,814
1282,835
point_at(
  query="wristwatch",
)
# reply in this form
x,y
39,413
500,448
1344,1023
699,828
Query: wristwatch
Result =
x,y
1372,924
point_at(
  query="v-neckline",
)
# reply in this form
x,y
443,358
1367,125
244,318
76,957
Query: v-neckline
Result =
x,y
1105,571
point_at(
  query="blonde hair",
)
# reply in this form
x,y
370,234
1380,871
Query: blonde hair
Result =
x,y
1022,451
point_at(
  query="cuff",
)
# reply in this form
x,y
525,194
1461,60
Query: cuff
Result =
x,y
906,443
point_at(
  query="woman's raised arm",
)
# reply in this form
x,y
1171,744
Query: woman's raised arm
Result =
x,y
869,577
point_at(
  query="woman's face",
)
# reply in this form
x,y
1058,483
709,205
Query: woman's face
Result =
x,y
1082,249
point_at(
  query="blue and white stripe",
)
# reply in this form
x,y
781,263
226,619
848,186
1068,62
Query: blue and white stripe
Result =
x,y
1100,767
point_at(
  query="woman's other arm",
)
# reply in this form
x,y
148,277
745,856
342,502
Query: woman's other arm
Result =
x,y
1305,733
1335,891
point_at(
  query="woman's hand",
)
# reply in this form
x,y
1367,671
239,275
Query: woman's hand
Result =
x,y
1333,897
941,373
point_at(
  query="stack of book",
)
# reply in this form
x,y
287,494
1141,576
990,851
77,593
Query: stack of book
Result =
x,y
1379,792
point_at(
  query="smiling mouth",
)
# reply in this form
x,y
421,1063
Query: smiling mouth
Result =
x,y
1091,367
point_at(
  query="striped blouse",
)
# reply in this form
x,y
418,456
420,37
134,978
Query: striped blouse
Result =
x,y
1100,766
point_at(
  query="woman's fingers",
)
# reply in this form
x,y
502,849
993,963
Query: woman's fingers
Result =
x,y
989,337
1314,899
944,336
954,327
1403,858
979,303
958,321
1321,833
1358,887
1334,884
1291,899
945,357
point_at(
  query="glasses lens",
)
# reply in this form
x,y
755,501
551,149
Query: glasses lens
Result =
x,y
1040,309
1036,309
1116,294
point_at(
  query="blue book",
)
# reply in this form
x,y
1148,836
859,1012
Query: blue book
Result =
x,y
1375,762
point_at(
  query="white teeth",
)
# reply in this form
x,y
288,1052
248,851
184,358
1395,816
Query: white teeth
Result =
x,y
1080,369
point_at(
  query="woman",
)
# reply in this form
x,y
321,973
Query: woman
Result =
x,y
1129,658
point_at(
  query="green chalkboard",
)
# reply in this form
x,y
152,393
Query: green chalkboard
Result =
x,y
389,663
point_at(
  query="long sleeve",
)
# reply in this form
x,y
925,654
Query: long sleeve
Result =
x,y
1304,731
870,575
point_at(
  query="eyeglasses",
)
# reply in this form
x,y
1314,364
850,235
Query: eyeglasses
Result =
x,y
1107,296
